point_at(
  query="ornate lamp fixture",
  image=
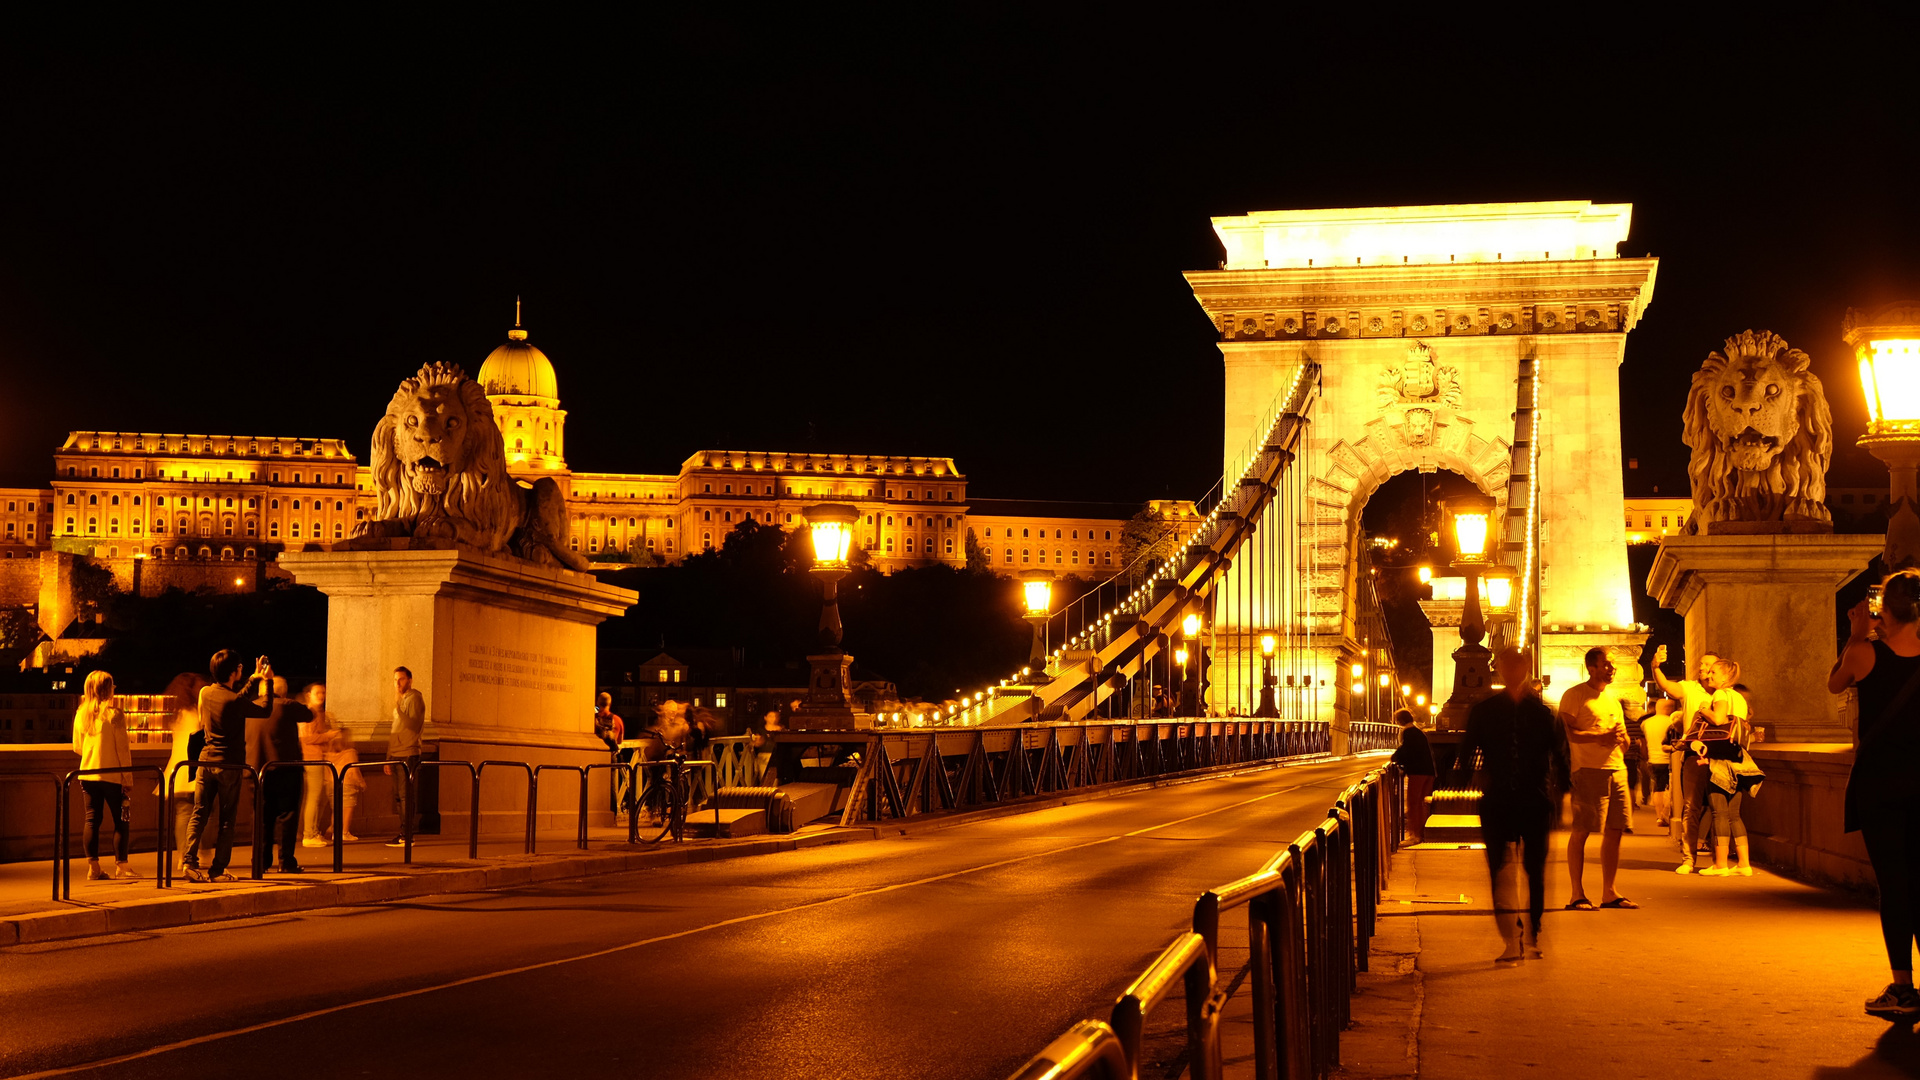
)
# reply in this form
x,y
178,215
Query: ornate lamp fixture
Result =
x,y
827,707
1468,518
1887,344
1036,588
1269,708
1189,678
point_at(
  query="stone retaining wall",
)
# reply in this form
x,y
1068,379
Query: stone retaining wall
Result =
x,y
1796,820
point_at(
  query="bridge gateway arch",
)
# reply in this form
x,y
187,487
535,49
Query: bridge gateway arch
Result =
x,y
1424,321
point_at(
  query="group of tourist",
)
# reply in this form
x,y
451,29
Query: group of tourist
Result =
x,y
237,725
1590,748
1694,769
677,728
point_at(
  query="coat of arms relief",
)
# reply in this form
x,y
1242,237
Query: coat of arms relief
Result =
x,y
1417,394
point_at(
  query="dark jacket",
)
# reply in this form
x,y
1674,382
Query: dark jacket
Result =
x,y
1415,755
224,714
276,736
1523,749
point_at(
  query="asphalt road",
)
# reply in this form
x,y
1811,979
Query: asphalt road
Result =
x,y
955,953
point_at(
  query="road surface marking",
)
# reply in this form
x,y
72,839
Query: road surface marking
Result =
x,y
312,1014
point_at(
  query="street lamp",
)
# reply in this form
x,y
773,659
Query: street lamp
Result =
x,y
1189,681
1468,517
1887,344
1269,708
826,706
1036,587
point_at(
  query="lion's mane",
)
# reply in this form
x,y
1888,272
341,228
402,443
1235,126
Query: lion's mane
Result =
x,y
1794,485
481,500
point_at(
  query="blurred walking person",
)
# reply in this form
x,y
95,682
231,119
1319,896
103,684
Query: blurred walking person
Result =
x,y
1882,802
316,741
272,738
1524,754
189,738
100,738
1415,758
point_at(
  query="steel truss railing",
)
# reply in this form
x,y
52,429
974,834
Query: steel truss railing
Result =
x,y
1116,636
900,774
1311,913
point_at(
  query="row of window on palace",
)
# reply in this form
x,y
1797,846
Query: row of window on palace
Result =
x,y
227,526
93,473
206,502
230,445
770,489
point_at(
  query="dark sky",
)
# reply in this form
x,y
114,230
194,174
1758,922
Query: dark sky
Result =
x,y
956,236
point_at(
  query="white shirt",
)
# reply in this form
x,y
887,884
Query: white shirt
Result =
x,y
1589,711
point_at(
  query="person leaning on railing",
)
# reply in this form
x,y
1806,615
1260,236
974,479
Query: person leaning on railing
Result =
x,y
1415,758
100,738
1882,802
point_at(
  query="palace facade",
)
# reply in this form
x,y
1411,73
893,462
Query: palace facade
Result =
x,y
172,508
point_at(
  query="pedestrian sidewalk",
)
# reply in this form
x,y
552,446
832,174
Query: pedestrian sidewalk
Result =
x,y
1750,978
374,872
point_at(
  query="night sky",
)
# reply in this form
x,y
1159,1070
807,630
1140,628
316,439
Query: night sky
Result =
x,y
953,237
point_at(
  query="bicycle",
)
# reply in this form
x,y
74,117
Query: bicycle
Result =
x,y
668,798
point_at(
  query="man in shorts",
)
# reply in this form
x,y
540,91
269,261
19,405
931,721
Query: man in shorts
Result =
x,y
1596,740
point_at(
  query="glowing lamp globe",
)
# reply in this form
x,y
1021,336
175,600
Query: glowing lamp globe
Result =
x,y
1036,587
1267,643
832,528
1496,589
1471,515
1426,575
1358,670
1384,680
1180,657
1190,626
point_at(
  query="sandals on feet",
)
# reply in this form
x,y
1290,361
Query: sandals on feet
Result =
x,y
1620,902
1582,904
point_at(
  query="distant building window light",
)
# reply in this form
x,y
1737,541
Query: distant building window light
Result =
x,y
676,674
663,674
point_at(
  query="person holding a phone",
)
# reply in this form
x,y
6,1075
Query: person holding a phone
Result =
x,y
1882,661
1689,773
225,708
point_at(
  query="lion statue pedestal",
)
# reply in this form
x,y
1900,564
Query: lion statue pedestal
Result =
x,y
504,650
1767,601
461,577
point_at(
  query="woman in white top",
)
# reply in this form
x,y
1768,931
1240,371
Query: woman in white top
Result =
x,y
100,738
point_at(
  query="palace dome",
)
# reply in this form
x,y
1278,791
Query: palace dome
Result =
x,y
520,370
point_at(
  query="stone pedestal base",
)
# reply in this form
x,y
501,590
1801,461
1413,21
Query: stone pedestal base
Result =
x,y
827,707
502,649
1563,659
1767,602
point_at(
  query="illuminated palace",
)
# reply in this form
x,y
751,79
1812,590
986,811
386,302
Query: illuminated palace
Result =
x,y
184,504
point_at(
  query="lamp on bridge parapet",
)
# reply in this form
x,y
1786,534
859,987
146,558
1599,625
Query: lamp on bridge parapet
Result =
x,y
827,706
1036,588
1887,344
1469,517
1269,706
1189,679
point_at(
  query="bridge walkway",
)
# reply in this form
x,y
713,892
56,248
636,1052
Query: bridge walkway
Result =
x,y
1751,978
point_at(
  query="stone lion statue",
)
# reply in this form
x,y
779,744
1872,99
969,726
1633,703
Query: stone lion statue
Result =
x,y
1761,434
440,470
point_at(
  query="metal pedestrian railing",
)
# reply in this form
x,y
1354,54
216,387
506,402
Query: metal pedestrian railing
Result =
x,y
1311,914
62,857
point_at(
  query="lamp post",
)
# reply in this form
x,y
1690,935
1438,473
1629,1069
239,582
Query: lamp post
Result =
x,y
1269,707
1189,678
1469,517
1036,588
827,706
1887,344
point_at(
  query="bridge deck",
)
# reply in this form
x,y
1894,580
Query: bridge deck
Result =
x,y
950,953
